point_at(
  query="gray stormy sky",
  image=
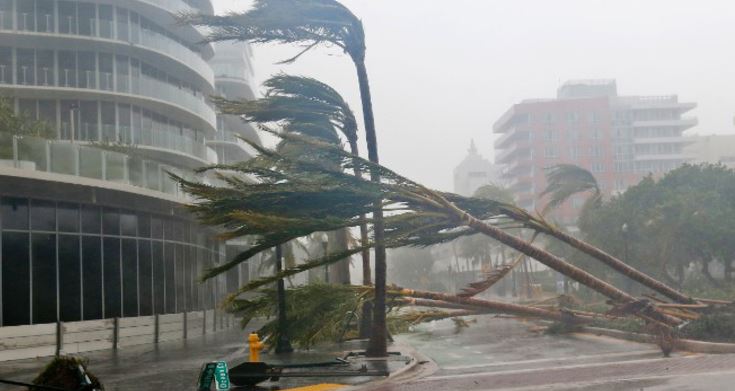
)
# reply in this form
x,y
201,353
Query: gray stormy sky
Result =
x,y
443,71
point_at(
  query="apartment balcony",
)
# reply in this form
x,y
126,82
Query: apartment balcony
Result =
x,y
518,166
663,140
74,160
518,149
151,47
144,91
683,123
231,140
512,135
663,157
521,184
657,102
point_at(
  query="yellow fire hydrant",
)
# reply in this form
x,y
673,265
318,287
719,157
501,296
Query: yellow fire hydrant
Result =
x,y
255,347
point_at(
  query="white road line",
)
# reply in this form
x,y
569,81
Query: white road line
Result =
x,y
517,371
542,360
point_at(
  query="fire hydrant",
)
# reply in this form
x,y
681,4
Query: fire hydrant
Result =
x,y
255,347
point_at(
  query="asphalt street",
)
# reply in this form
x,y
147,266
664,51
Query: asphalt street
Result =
x,y
499,353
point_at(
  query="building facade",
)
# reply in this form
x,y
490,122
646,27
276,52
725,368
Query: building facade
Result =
x,y
90,232
620,139
716,148
474,172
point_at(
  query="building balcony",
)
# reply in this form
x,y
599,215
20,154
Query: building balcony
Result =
x,y
663,157
68,159
147,92
683,123
154,48
227,139
510,136
663,140
518,166
518,150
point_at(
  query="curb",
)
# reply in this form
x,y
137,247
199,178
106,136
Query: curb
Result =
x,y
418,367
689,345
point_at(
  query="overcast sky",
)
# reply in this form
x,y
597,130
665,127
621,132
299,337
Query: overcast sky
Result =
x,y
443,71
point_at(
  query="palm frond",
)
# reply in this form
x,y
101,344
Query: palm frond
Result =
x,y
566,180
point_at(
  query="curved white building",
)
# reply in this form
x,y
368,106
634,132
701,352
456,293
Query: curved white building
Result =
x,y
88,233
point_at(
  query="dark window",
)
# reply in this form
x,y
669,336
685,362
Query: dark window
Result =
x,y
91,220
129,224
70,278
87,19
180,278
44,278
92,272
130,277
16,279
68,215
144,226
144,278
156,228
43,216
168,229
112,277
170,280
111,222
67,17
159,293
15,213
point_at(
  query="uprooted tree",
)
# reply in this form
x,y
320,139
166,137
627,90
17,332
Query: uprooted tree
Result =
x,y
300,195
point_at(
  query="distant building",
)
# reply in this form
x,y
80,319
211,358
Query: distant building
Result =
x,y
474,172
620,139
718,148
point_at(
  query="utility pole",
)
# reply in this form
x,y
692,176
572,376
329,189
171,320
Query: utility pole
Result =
x,y
283,344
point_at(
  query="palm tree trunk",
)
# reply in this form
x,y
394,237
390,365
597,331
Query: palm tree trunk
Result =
x,y
622,267
560,265
493,306
377,346
364,240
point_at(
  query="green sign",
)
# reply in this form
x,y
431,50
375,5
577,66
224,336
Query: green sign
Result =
x,y
222,376
217,372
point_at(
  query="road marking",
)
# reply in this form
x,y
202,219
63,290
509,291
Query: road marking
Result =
x,y
529,370
542,360
317,387
584,385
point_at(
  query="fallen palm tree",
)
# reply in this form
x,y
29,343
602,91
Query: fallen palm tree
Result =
x,y
299,196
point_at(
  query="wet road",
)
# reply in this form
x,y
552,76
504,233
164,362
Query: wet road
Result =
x,y
496,353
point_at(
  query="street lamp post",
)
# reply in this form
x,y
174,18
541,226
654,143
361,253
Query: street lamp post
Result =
x,y
628,281
283,344
325,245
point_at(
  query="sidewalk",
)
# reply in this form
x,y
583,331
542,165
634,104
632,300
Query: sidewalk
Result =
x,y
175,365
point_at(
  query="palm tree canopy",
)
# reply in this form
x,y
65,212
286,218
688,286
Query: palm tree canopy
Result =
x,y
309,22
565,180
306,105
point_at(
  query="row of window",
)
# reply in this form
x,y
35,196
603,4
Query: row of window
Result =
x,y
80,18
93,70
569,117
574,152
70,262
111,122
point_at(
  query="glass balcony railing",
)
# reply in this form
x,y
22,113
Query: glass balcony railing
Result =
x,y
63,157
156,138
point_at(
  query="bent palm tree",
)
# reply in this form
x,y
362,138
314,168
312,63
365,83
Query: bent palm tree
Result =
x,y
314,23
307,106
565,180
309,197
